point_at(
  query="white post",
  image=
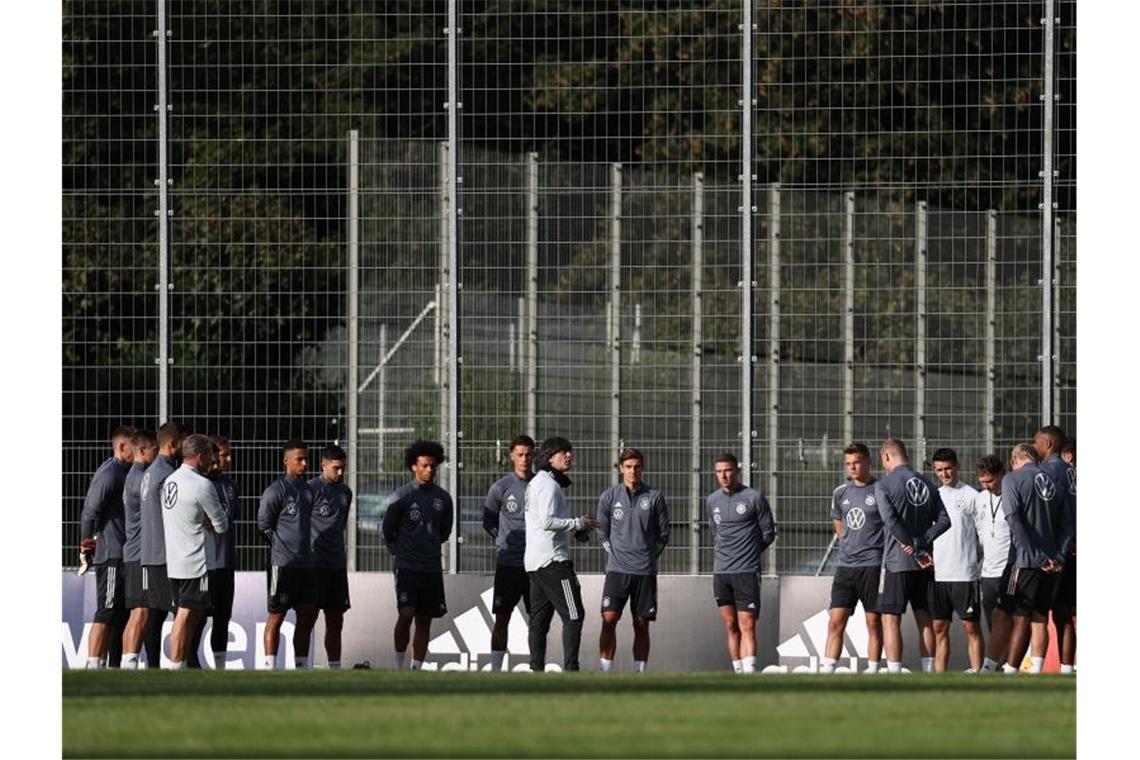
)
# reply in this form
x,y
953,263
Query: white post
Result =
x,y
1048,348
920,335
353,235
441,286
163,213
747,356
698,230
381,396
1057,318
773,360
512,342
531,331
635,338
453,465
614,331
848,318
991,327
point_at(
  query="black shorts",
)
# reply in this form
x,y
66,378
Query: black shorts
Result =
x,y
994,598
914,586
192,593
956,597
856,584
639,590
511,584
421,591
739,589
1066,599
110,592
222,592
332,588
136,595
289,587
156,584
1031,589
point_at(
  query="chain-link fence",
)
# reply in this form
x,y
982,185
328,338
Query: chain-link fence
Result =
x,y
687,227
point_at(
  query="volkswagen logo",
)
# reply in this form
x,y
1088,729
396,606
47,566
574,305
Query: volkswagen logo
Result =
x,y
916,492
170,495
1072,475
856,519
1045,487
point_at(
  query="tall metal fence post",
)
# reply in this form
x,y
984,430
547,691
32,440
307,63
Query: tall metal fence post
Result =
x,y
1048,21
441,289
163,213
920,334
614,328
1057,318
531,361
698,232
747,354
773,360
455,281
991,328
382,397
353,401
848,318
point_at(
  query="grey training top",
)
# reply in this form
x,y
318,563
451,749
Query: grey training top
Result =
x,y
103,510
742,526
330,517
1034,509
225,544
504,517
861,542
1065,477
633,528
417,521
132,510
912,513
153,535
283,518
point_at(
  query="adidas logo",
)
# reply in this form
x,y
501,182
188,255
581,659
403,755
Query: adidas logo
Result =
x,y
801,652
466,645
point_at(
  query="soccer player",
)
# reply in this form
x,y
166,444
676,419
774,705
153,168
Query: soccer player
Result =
x,y
1034,509
145,448
913,515
416,524
993,532
225,552
1069,452
102,534
283,518
742,527
1049,443
553,583
859,535
956,570
193,517
633,528
331,500
504,519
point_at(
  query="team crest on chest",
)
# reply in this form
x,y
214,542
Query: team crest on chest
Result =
x,y
741,508
437,505
870,500
643,503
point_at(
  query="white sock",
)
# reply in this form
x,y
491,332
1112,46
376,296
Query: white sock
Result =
x,y
94,663
1036,664
988,665
417,664
606,665
969,670
872,666
827,665
748,664
1008,669
927,664
334,664
497,661
738,666
175,665
302,663
894,667
219,660
269,662
130,661
1065,669
398,661
639,666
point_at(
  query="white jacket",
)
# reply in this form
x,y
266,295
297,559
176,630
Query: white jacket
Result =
x,y
548,526
188,499
993,531
956,550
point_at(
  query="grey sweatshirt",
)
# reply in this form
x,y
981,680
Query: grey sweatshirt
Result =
x,y
132,511
1066,479
504,517
330,518
633,528
283,518
153,535
189,499
912,513
1034,509
742,527
861,542
416,523
225,544
103,510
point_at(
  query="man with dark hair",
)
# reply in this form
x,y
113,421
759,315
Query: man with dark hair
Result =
x,y
553,583
331,502
160,600
1049,443
633,528
993,532
742,527
859,536
417,522
956,569
504,519
225,556
1069,452
913,515
102,534
191,504
283,518
145,448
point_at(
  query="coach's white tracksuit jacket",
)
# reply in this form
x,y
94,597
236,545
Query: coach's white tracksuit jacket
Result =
x,y
548,526
188,500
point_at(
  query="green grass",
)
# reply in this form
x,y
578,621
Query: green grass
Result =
x,y
383,714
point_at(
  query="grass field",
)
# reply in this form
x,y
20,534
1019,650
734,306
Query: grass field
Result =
x,y
383,713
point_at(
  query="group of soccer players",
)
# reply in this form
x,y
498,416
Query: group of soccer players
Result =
x,y
1006,551
168,526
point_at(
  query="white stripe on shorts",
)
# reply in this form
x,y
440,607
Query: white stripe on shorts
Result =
x,y
273,582
569,598
146,583
110,586
204,583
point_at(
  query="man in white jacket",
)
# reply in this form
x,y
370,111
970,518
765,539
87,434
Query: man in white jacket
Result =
x,y
553,583
192,517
